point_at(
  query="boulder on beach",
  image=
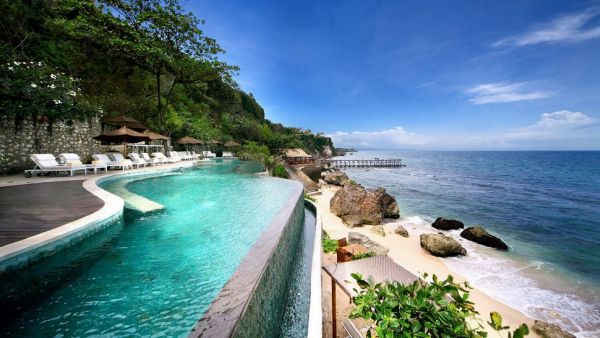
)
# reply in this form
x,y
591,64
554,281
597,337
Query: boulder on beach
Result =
x,y
441,245
313,172
548,330
353,202
378,229
336,178
400,230
388,204
447,224
376,248
480,236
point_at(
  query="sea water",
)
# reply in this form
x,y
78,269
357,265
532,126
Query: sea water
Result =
x,y
544,205
154,273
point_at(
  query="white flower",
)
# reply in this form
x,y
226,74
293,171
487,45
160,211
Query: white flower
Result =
x,y
16,63
72,93
39,64
52,86
53,76
57,101
10,68
33,85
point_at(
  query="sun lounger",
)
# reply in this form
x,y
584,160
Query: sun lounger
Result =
x,y
150,160
162,158
110,163
174,156
75,159
208,154
194,155
46,163
227,154
137,160
118,157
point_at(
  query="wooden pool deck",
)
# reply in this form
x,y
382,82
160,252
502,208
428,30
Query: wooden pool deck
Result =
x,y
30,209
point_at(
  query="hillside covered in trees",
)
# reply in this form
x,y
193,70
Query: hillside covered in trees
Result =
x,y
71,59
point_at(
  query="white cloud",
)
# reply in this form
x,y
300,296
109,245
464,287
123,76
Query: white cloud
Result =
x,y
504,92
392,138
562,129
559,124
567,28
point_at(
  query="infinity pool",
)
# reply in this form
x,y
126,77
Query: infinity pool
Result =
x,y
153,273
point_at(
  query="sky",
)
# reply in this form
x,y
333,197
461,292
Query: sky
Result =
x,y
472,75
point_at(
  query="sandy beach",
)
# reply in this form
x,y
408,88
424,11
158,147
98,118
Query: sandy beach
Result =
x,y
408,253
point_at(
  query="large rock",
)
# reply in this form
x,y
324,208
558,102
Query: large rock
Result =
x,y
441,245
400,230
447,224
361,206
388,204
336,178
376,248
548,330
480,236
313,172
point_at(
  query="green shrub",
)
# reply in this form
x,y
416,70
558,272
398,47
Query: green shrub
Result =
x,y
329,245
310,198
363,255
279,171
438,308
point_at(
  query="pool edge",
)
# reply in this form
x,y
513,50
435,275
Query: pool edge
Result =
x,y
26,251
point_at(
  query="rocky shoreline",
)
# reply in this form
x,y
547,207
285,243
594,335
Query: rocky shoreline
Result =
x,y
357,207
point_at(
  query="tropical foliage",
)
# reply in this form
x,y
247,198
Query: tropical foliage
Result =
x,y
150,60
425,308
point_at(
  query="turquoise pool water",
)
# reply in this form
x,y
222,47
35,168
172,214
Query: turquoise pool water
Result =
x,y
152,274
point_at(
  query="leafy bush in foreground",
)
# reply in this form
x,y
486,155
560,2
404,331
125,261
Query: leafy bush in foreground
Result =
x,y
279,171
329,245
439,308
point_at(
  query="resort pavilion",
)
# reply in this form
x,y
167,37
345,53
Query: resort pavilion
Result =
x,y
297,156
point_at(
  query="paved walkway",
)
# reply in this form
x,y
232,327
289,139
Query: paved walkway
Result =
x,y
30,209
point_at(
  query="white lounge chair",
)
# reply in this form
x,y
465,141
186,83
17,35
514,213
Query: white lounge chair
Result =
x,y
118,157
150,160
137,160
110,163
75,159
208,154
163,158
46,163
175,156
227,154
194,155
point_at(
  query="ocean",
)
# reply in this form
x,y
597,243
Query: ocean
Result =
x,y
545,205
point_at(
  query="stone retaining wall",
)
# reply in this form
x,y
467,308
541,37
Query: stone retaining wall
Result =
x,y
16,144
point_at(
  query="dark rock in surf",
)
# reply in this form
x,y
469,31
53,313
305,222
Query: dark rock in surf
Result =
x,y
441,245
548,330
447,224
480,236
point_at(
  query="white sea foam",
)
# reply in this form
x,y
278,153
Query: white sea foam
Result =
x,y
532,287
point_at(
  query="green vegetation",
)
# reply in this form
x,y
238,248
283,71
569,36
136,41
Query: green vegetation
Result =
x,y
436,308
279,171
329,245
363,255
310,198
71,59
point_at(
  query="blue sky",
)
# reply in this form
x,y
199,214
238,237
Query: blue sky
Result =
x,y
420,74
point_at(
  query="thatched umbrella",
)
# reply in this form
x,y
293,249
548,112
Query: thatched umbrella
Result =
x,y
155,136
231,144
188,140
122,135
122,120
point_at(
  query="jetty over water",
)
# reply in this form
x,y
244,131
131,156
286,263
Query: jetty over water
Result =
x,y
374,163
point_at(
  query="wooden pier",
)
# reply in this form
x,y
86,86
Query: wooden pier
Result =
x,y
374,163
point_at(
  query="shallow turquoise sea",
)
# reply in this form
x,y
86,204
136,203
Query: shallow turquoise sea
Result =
x,y
545,205
155,273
